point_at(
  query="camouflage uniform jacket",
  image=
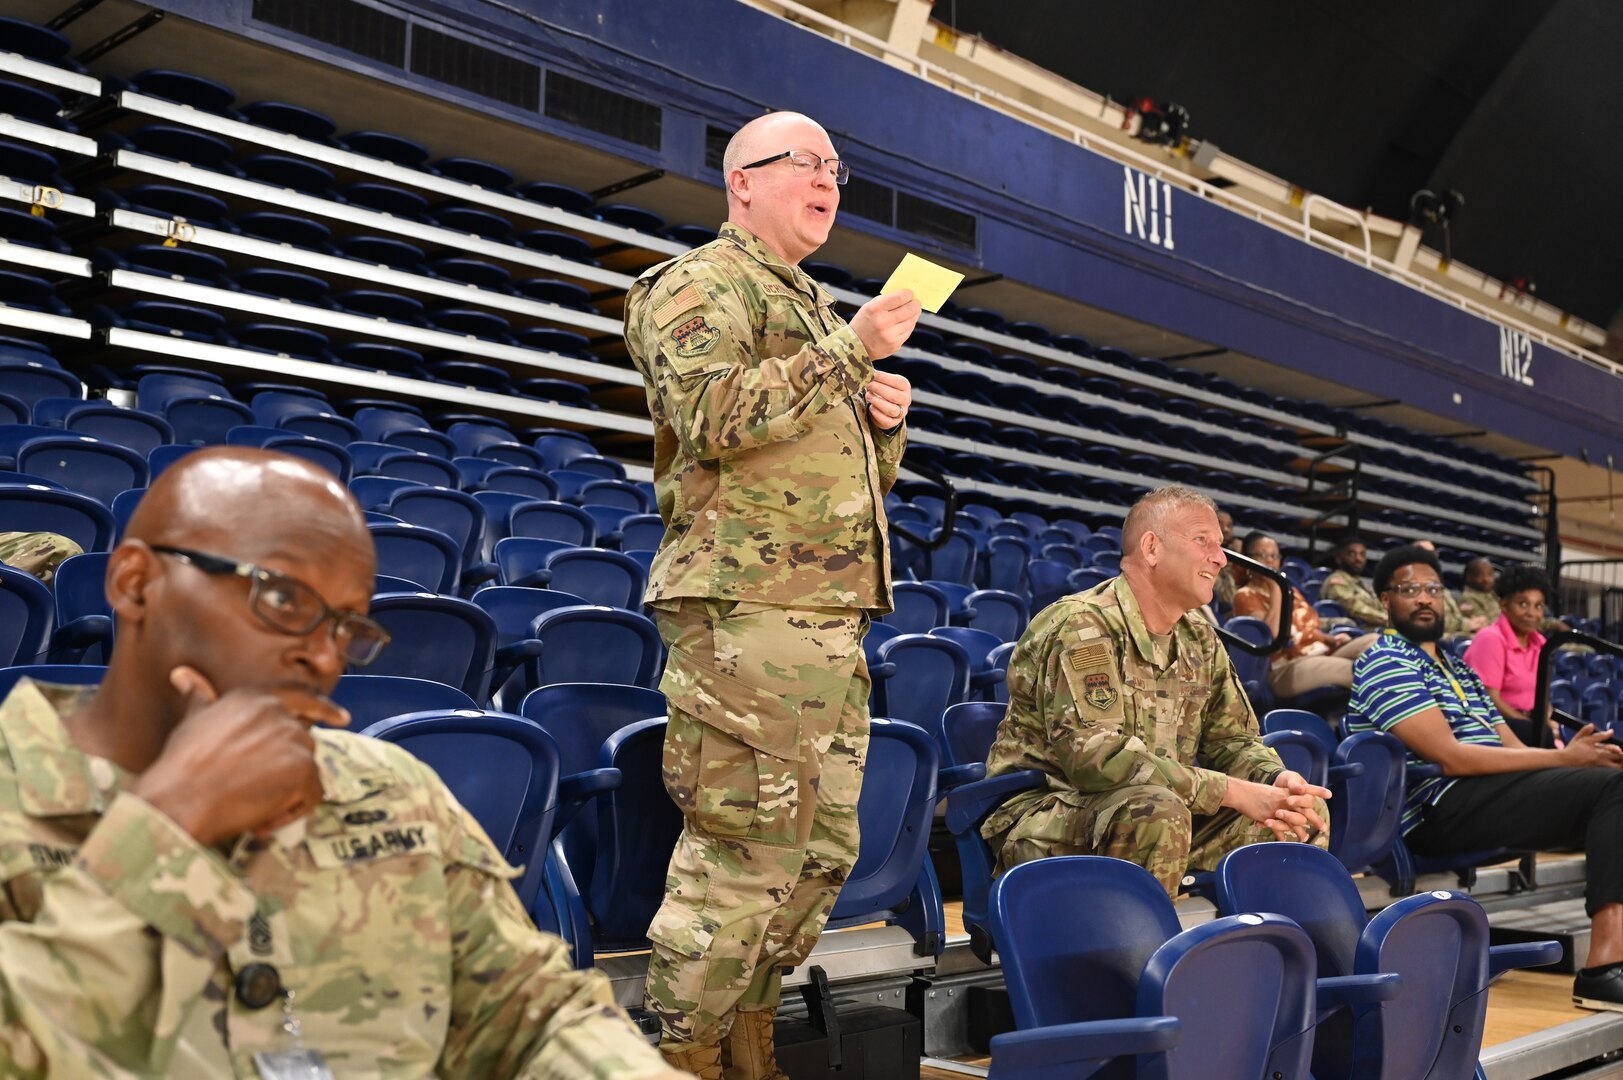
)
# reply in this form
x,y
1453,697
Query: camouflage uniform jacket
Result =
x,y
1096,703
386,912
1355,598
769,477
1477,609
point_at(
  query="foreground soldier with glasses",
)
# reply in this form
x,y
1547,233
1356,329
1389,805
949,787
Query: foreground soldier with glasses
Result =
x,y
1494,791
199,882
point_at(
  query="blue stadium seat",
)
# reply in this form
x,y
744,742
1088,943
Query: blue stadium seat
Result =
x,y
514,610
595,643
138,430
26,617
606,520
424,555
385,198
602,577
929,673
495,443
894,880
919,607
14,410
468,170
1437,942
328,455
84,464
185,89
403,464
967,732
641,532
299,232
29,380
1048,582
407,430
609,905
454,513
984,678
371,698
375,491
386,147
304,415
563,197
442,638
522,560
83,619
480,474
1002,614
1086,990
60,674
552,521
1007,559
581,718
38,508
502,768
290,119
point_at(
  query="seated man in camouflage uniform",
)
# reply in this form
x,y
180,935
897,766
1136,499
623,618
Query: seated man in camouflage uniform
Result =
x,y
1345,585
37,553
1132,709
192,866
1479,604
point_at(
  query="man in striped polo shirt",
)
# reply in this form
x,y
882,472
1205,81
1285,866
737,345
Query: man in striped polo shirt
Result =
x,y
1494,790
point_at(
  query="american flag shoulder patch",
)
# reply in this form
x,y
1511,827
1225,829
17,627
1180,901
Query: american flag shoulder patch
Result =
x,y
684,301
1084,656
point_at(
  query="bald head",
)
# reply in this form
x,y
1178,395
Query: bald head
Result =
x,y
244,502
763,137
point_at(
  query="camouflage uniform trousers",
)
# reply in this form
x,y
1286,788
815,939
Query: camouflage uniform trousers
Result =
x,y
37,553
764,754
1140,823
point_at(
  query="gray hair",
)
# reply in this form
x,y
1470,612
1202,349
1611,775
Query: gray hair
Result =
x,y
1150,512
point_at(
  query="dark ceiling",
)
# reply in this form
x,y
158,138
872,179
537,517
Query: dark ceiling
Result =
x,y
1514,103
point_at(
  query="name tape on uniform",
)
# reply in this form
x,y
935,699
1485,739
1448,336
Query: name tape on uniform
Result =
x,y
931,284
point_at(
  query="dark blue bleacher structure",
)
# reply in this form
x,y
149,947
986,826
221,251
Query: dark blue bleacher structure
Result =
x,y
442,332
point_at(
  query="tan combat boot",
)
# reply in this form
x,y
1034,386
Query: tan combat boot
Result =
x,y
702,1060
747,1051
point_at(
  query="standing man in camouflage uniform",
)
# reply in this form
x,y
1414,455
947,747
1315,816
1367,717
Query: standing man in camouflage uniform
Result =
x,y
1115,692
191,865
37,553
1345,585
775,441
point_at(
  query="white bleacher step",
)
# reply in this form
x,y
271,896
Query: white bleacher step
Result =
x,y
290,201
373,274
12,127
1563,920
398,174
29,194
39,259
953,364
1048,461
400,385
28,68
510,204
374,328
16,318
1558,1050
1226,498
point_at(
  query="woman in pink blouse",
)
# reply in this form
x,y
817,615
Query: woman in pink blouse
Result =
x,y
1505,652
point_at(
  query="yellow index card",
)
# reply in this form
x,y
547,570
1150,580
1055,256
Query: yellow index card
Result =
x,y
931,284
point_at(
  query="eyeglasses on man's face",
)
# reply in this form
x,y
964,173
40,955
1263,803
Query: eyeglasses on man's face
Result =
x,y
289,606
1411,589
805,163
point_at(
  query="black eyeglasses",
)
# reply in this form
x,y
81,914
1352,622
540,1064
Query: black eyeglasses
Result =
x,y
1409,589
805,163
288,605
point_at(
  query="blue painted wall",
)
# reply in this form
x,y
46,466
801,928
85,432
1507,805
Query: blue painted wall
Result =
x,y
1050,213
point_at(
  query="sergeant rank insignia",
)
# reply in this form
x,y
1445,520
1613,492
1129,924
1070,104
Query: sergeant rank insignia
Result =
x,y
1098,690
695,338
